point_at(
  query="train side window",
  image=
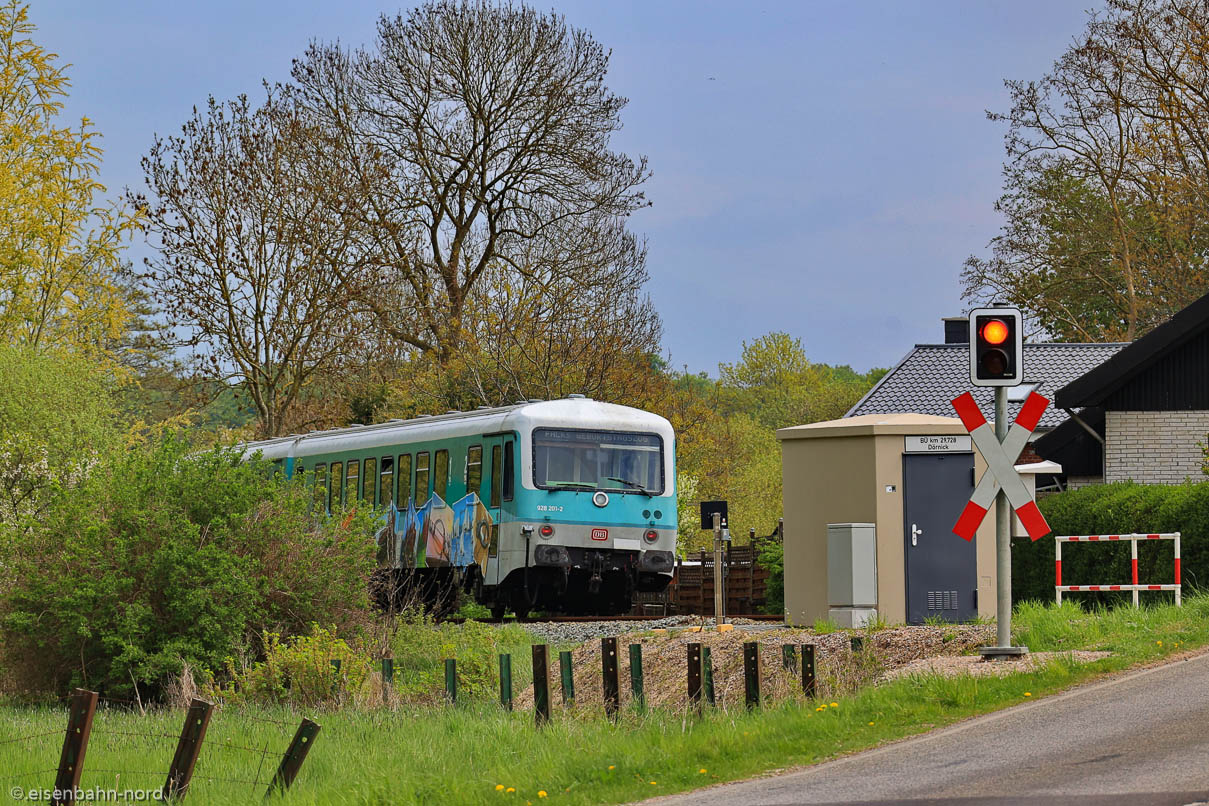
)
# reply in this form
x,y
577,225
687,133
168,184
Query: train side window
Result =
x,y
497,474
369,480
388,481
440,473
404,475
421,478
320,482
337,486
474,469
509,471
352,490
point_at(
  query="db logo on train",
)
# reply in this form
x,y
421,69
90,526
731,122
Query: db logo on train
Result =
x,y
600,534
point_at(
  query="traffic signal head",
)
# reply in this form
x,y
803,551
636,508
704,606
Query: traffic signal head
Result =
x,y
996,342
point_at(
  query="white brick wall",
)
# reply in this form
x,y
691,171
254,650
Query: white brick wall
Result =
x,y
1155,447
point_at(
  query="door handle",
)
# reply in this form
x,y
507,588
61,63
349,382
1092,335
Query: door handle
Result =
x,y
915,533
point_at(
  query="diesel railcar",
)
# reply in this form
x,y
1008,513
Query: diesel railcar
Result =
x,y
562,505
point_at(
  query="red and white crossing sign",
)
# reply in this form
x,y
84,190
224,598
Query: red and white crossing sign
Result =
x,y
1001,470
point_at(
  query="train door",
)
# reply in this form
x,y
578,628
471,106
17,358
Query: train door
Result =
x,y
495,493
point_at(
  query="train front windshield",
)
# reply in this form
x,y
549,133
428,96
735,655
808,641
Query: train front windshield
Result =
x,y
597,460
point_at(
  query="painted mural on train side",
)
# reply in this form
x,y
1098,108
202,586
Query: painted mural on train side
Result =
x,y
436,535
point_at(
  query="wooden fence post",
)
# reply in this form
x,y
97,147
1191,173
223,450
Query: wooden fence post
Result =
x,y
75,744
808,681
197,719
295,754
611,684
506,681
568,676
693,655
451,680
751,673
636,687
541,684
707,673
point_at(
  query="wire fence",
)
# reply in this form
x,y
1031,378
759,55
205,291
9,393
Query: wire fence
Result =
x,y
257,766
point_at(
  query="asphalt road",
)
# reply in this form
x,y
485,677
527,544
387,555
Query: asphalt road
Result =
x,y
1142,738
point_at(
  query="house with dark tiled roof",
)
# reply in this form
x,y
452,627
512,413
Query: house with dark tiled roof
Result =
x,y
1143,413
931,375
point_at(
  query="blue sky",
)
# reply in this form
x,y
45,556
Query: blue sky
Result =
x,y
821,168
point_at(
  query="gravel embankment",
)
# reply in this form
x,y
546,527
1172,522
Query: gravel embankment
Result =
x,y
576,632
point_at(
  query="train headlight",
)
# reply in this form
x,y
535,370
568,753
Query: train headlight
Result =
x,y
650,536
546,530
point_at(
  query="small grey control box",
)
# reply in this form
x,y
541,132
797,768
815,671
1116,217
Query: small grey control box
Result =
x,y
852,564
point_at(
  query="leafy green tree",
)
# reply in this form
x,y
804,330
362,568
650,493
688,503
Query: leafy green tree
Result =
x,y
727,446
1106,179
58,415
61,280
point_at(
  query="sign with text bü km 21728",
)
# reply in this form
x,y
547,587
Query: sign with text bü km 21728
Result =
x,y
1001,471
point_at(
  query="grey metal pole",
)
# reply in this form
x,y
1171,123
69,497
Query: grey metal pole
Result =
x,y
1003,537
717,569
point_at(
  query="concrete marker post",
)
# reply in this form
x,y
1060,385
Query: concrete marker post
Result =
x,y
636,684
506,681
751,673
568,677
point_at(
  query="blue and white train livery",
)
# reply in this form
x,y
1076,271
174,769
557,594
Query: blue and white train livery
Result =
x,y
561,505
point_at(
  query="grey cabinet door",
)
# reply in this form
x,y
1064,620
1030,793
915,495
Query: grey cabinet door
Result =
x,y
942,572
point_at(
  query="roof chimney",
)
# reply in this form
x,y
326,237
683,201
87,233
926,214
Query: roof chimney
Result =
x,y
957,330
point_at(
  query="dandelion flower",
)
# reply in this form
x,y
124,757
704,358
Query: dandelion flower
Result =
x,y
1028,693
870,724
510,790
499,787
612,766
654,783
702,771
1160,643
835,705
541,793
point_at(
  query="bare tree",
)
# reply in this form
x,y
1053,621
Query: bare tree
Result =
x,y
1105,182
258,249
481,135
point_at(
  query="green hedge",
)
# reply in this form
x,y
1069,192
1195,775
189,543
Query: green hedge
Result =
x,y
1116,509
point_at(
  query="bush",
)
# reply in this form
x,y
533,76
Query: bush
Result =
x,y
1115,509
159,558
301,672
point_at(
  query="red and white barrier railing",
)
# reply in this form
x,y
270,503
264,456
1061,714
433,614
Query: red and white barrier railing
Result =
x,y
1134,587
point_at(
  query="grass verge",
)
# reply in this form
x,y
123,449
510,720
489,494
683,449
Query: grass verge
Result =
x,y
466,754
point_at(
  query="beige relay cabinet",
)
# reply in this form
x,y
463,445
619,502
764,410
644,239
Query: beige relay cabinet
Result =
x,y
907,474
